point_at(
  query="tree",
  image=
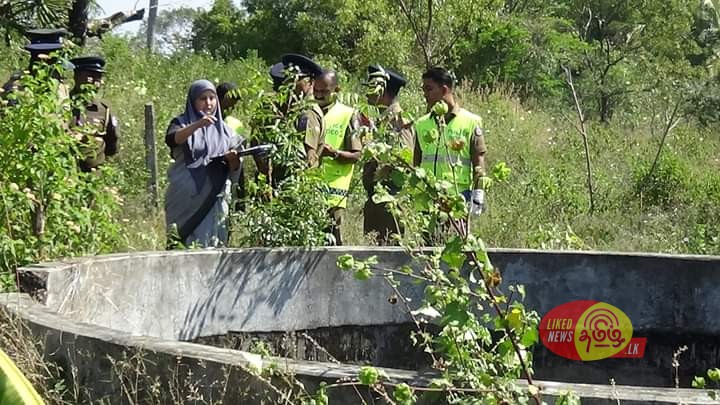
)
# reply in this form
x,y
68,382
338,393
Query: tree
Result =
x,y
438,26
16,16
216,30
173,30
624,38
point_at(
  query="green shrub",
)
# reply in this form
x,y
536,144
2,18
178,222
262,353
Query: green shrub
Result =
x,y
666,185
50,209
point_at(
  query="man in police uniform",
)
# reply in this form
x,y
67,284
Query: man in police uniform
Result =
x,y
102,137
383,88
462,140
228,100
43,42
299,72
341,150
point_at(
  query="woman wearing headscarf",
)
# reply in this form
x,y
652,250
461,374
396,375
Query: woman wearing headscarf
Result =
x,y
206,163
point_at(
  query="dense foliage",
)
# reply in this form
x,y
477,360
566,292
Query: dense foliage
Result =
x,y
50,208
635,81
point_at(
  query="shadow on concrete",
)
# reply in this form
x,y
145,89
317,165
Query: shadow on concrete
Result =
x,y
285,272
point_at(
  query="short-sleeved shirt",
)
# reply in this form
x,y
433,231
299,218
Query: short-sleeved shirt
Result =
x,y
98,115
311,122
351,140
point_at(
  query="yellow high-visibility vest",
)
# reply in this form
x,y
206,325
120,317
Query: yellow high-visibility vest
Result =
x,y
443,155
337,175
233,123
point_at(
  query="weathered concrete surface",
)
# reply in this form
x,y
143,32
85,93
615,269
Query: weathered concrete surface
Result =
x,y
671,300
183,295
102,364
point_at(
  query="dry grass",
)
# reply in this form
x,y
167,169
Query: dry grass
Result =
x,y
27,351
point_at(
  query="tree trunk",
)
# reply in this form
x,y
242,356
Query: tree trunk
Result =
x,y
606,107
78,20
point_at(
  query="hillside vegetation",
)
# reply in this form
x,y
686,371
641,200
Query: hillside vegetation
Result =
x,y
644,76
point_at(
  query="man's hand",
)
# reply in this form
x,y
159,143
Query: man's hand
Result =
x,y
329,151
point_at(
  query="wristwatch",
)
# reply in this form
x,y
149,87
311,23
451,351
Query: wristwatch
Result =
x,y
336,154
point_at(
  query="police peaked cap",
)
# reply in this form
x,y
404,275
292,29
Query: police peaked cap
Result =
x,y
394,80
89,64
45,39
301,64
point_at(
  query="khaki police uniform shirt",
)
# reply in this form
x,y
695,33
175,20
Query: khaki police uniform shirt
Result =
x,y
392,116
312,124
98,115
351,141
477,141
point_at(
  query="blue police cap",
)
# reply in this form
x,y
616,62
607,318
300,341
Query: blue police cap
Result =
x,y
89,64
395,80
45,39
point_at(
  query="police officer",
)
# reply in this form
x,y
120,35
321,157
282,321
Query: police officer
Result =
x,y
228,100
102,138
383,88
297,72
341,150
43,42
462,140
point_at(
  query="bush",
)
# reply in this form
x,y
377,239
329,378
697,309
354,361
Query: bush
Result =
x,y
666,185
50,209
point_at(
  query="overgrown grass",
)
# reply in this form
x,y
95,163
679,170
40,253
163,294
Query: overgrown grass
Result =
x,y
545,203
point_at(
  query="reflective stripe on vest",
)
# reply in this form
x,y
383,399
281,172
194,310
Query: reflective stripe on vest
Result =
x,y
337,175
454,153
233,123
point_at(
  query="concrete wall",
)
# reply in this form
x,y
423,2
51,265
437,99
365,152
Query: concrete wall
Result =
x,y
117,368
184,295
671,300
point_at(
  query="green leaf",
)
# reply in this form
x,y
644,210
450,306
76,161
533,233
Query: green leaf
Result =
x,y
345,262
421,202
363,273
698,382
453,254
501,172
568,398
714,374
403,394
455,314
529,338
368,375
